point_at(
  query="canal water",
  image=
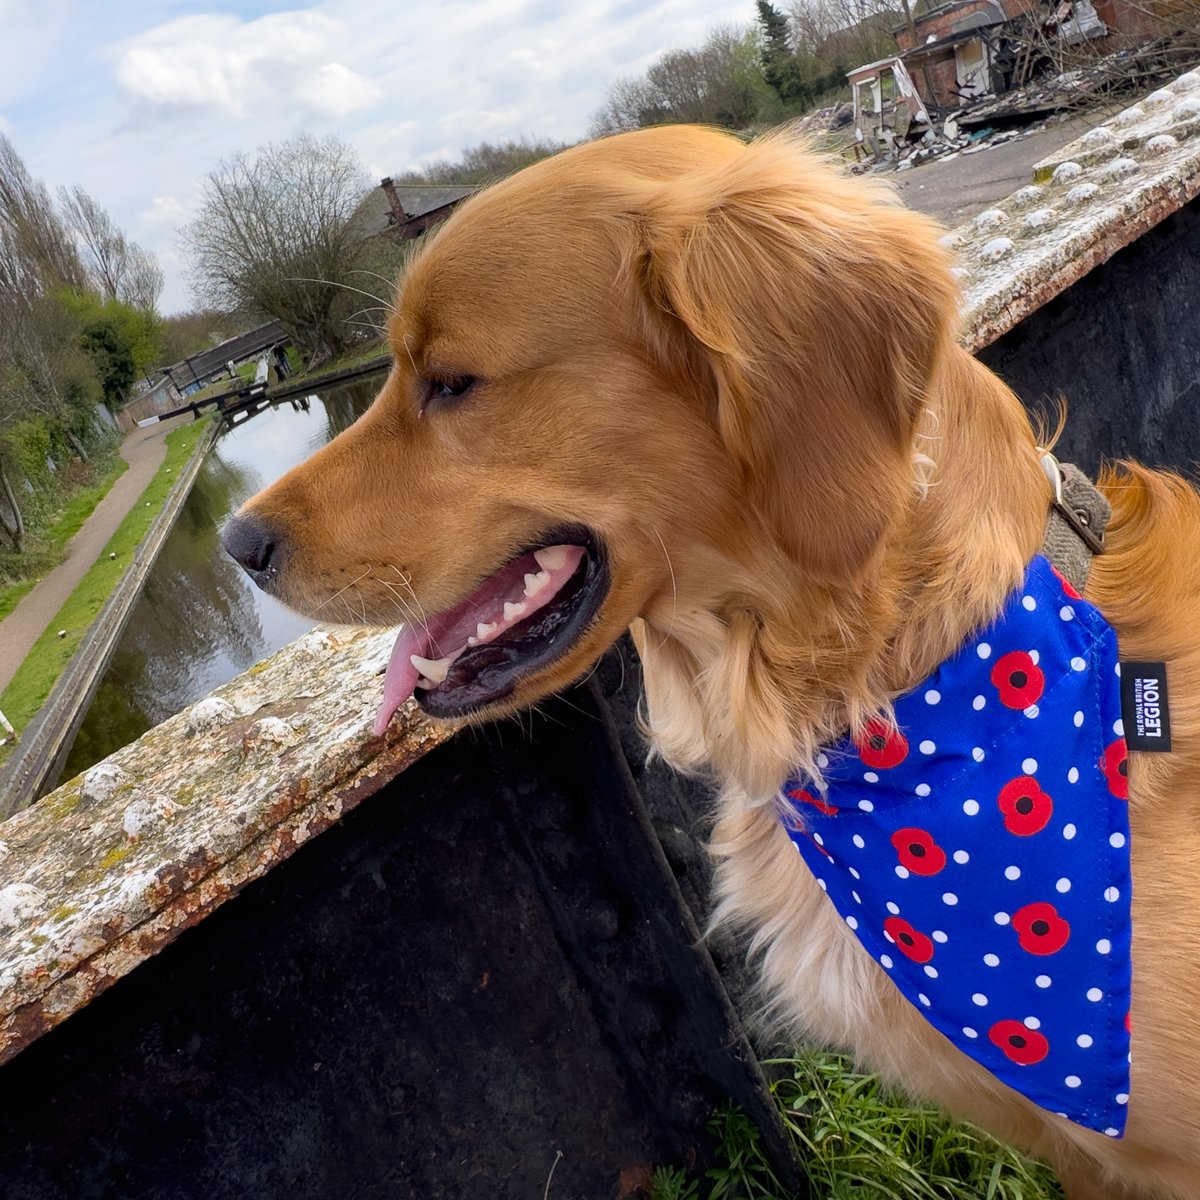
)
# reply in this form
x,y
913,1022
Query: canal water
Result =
x,y
200,621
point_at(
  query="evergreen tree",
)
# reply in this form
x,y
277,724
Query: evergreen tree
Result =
x,y
781,68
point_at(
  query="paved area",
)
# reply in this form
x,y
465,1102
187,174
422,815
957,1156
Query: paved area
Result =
x,y
144,451
955,191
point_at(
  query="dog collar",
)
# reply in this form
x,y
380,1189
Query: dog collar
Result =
x,y
980,850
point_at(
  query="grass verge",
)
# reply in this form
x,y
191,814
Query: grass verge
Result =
x,y
37,675
857,1141
47,548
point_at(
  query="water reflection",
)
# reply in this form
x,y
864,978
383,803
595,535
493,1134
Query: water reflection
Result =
x,y
200,621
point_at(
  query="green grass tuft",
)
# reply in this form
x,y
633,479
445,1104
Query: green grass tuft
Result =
x,y
858,1141
37,675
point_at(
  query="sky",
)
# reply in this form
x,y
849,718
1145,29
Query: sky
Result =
x,y
138,99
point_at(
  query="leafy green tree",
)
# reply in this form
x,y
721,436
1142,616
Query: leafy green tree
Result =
x,y
781,69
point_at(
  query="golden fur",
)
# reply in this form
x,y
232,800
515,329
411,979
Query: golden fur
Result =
x,y
738,368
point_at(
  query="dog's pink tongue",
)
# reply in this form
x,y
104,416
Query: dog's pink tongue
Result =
x,y
401,676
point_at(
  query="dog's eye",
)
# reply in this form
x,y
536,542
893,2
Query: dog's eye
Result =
x,y
444,391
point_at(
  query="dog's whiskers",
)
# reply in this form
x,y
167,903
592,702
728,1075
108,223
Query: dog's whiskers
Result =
x,y
338,593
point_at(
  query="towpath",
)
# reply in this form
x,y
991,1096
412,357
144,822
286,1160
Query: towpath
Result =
x,y
144,451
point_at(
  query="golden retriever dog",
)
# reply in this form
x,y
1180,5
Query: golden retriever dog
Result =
x,y
711,391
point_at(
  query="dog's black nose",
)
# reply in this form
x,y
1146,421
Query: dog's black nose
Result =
x,y
253,545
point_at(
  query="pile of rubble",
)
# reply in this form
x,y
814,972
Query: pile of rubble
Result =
x,y
951,140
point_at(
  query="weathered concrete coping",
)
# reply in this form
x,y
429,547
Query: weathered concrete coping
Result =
x,y
107,870
1096,195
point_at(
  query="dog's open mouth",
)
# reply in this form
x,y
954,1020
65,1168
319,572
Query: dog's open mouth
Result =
x,y
518,620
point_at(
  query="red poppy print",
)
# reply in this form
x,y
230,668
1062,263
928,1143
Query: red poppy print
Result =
x,y
1018,679
912,943
1115,765
918,852
1023,1045
808,798
1040,929
1066,584
1026,808
881,746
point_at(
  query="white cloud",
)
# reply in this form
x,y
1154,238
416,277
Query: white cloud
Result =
x,y
338,91
164,210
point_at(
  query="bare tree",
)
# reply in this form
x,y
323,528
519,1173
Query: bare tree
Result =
x,y
116,266
274,236
721,83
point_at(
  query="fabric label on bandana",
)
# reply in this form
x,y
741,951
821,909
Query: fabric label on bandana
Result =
x,y
980,851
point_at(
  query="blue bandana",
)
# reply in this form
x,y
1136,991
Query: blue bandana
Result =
x,y
980,851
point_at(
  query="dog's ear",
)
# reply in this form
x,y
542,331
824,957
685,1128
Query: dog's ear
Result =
x,y
821,308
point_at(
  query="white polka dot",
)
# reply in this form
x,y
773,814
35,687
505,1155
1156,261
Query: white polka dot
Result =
x,y
1112,1133
822,761
980,999
922,789
1032,1023
870,777
1117,841
969,1032
930,971
992,960
1043,981
978,703
1068,831
1029,766
853,873
924,999
961,856
1073,775
893,908
1032,711
1067,612
983,650
857,897
886,961
1078,720
816,837
1095,995
1103,946
822,885
970,807
1122,1097
1078,664
1063,885
1001,918
1072,1081
1084,1041
927,747
852,922
1117,669
1012,872
1119,727
857,840
1035,657
933,696
949,898
1028,603
977,754
902,871
939,936
1112,895
866,806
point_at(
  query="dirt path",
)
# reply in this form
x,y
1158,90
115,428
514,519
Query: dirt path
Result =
x,y
144,451
955,191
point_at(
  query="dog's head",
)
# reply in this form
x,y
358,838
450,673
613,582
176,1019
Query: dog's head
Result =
x,y
622,377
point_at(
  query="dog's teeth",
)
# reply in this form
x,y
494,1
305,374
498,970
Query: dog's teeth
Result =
x,y
551,557
432,668
535,583
483,632
423,683
472,641
513,611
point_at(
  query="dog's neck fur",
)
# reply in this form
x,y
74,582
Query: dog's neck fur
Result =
x,y
752,686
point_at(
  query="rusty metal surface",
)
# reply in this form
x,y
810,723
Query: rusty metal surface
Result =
x,y
111,867
1095,196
